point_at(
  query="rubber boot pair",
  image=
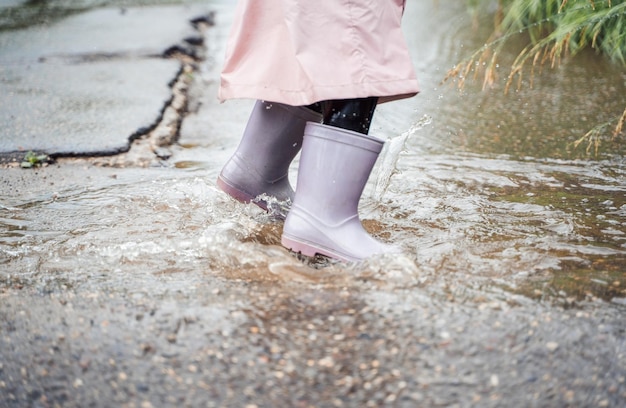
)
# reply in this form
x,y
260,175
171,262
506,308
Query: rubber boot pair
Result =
x,y
334,167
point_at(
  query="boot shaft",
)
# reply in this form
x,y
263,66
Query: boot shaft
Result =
x,y
334,168
273,136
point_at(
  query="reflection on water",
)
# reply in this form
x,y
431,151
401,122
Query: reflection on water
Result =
x,y
478,187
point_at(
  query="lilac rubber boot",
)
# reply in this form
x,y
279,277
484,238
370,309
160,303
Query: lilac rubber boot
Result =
x,y
334,167
260,165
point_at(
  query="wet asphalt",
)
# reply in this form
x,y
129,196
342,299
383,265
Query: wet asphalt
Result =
x,y
102,105
90,83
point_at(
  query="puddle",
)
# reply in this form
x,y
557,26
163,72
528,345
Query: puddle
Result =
x,y
472,192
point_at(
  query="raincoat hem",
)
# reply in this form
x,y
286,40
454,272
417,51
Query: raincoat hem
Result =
x,y
385,90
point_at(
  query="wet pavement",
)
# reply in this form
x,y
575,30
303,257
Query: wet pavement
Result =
x,y
90,83
131,280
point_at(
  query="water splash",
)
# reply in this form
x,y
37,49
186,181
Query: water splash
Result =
x,y
391,154
276,208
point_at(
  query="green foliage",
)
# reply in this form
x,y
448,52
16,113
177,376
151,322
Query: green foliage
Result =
x,y
32,159
571,26
556,28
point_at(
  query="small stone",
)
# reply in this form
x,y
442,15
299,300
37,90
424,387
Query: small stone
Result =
x,y
326,362
84,363
552,345
494,380
147,348
163,153
390,398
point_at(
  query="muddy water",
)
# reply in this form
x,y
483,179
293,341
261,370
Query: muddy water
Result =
x,y
499,217
473,185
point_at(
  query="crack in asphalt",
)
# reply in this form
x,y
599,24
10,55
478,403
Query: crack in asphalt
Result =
x,y
148,145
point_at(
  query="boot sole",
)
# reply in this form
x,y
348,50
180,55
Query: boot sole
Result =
x,y
238,194
311,249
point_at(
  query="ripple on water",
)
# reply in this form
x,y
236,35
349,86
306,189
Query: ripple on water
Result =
x,y
464,218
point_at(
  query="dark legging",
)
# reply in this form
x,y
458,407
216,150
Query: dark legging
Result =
x,y
350,114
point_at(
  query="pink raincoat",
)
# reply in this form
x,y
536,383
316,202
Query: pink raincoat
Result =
x,y
299,52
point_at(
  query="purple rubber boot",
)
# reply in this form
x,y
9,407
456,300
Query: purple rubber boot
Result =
x,y
334,167
260,165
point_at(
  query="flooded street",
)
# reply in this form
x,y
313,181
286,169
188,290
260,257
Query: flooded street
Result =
x,y
140,287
